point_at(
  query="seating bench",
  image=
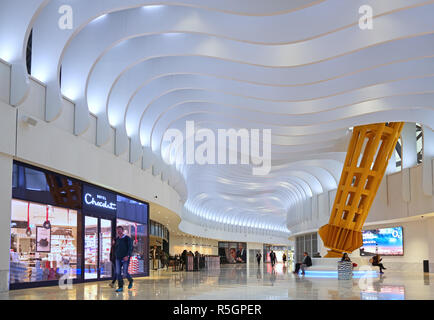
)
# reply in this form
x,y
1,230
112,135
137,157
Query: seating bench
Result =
x,y
328,267
324,264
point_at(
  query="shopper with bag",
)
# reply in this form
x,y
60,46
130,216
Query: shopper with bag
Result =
x,y
123,251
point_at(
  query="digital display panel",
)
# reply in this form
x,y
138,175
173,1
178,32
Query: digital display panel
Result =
x,y
384,241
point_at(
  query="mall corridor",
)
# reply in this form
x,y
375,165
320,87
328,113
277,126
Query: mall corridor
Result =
x,y
242,282
191,144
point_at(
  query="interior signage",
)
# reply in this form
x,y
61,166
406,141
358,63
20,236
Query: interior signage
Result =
x,y
96,200
99,201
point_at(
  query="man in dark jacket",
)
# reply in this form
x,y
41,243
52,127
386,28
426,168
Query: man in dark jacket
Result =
x,y
241,254
273,258
307,262
184,260
123,251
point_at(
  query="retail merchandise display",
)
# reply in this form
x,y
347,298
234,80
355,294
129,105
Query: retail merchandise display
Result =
x,y
59,244
62,226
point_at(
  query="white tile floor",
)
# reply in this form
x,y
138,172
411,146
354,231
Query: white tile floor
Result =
x,y
247,282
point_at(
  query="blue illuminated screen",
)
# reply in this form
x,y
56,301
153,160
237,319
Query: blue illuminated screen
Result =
x,y
385,241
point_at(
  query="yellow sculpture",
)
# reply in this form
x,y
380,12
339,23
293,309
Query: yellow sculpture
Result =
x,y
370,149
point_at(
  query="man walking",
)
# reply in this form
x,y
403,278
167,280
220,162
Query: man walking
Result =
x,y
123,251
272,258
258,258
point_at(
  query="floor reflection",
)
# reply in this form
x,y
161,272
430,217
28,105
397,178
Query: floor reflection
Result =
x,y
242,281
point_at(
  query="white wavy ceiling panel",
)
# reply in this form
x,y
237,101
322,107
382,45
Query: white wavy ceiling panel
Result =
x,y
303,69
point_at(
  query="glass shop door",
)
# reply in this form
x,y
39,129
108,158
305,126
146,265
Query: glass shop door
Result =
x,y
105,240
98,237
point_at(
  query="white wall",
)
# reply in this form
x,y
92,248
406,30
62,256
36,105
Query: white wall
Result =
x,y
177,244
418,243
401,197
53,146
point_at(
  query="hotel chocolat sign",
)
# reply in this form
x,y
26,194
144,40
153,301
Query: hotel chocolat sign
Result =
x,y
96,200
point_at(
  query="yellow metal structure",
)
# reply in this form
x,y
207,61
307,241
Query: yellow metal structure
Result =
x,y
370,149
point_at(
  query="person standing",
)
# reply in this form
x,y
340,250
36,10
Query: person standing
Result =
x,y
284,259
272,258
123,251
184,260
163,259
258,257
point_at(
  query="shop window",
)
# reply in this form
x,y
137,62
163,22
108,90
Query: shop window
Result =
x,y
132,210
152,228
15,176
138,233
45,187
308,243
35,180
38,253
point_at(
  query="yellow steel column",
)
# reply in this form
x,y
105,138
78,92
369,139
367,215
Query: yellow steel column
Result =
x,y
368,154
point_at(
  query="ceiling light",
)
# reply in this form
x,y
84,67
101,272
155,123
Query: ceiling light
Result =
x,y
29,120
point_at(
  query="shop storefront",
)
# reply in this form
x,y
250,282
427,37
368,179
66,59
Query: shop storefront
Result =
x,y
159,243
279,251
63,228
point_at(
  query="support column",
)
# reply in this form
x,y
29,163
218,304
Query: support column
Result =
x,y
368,155
427,162
430,227
391,166
409,158
5,218
409,151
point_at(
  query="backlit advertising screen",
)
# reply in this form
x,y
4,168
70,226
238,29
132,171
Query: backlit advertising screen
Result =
x,y
384,241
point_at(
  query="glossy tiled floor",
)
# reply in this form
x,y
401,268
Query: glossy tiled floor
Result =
x,y
248,282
